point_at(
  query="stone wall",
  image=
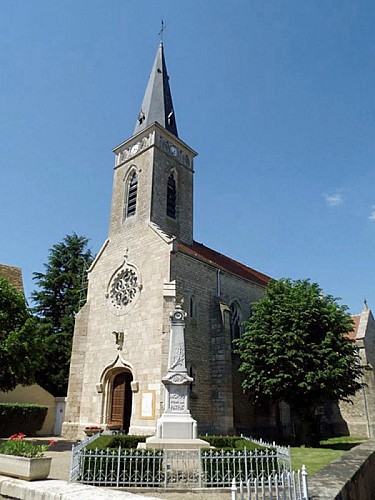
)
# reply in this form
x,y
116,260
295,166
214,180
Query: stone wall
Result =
x,y
350,477
217,400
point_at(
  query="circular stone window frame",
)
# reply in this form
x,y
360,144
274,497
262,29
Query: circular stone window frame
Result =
x,y
124,309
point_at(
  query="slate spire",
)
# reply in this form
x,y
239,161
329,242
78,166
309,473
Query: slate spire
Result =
x,y
157,105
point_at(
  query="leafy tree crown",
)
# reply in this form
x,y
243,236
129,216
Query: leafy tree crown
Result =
x,y
296,346
20,351
56,302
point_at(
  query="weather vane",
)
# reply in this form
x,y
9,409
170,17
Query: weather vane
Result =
x,y
163,26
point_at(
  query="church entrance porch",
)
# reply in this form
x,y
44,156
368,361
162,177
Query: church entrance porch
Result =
x,y
121,401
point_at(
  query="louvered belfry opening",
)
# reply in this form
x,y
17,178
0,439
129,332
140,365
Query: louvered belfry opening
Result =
x,y
132,195
121,407
171,197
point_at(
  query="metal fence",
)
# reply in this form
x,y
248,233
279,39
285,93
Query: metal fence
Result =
x,y
175,468
284,486
75,461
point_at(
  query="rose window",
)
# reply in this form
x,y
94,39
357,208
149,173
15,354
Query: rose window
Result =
x,y
124,288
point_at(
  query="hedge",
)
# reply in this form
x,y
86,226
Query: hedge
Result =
x,y
21,417
232,443
123,440
129,441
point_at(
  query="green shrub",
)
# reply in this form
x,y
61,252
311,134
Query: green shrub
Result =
x,y
21,417
232,442
125,441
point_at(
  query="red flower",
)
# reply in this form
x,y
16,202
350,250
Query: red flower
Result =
x,y
52,442
20,435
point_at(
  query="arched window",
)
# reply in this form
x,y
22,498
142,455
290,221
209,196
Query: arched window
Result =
x,y
171,196
132,195
235,321
192,307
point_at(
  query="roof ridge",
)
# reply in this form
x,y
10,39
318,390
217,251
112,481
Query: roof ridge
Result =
x,y
224,262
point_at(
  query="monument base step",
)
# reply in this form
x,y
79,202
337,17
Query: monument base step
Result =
x,y
174,443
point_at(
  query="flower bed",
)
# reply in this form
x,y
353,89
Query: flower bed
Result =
x,y
23,459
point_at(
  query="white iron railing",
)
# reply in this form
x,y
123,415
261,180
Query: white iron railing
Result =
x,y
75,461
177,468
284,486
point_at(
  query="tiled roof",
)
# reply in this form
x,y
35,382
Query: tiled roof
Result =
x,y
13,275
353,334
223,262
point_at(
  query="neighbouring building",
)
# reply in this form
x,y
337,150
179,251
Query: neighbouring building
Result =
x,y
13,275
358,418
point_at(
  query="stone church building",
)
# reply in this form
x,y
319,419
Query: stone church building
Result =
x,y
149,261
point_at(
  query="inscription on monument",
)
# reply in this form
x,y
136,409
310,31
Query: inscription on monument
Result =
x,y
176,400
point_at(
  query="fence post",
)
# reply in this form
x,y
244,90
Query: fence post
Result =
x,y
305,490
165,467
199,468
118,465
248,487
233,489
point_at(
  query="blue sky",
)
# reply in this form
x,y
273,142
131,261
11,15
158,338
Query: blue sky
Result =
x,y
276,97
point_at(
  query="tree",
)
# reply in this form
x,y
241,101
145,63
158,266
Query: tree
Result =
x,y
56,302
296,349
19,347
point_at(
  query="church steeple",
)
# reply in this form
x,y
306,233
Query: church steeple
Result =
x,y
157,105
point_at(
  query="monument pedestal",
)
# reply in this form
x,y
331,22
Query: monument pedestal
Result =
x,y
176,429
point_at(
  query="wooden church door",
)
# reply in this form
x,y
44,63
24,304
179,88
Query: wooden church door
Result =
x,y
121,408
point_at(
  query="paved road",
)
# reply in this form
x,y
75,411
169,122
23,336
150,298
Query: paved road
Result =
x,y
61,453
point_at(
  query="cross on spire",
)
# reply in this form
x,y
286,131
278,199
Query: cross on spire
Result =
x,y
163,26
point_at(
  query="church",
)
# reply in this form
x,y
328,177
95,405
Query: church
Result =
x,y
148,263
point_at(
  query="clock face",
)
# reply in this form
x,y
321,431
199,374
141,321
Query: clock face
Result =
x,y
174,150
134,149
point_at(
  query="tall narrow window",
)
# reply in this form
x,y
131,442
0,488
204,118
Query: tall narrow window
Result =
x,y
171,197
235,321
192,307
132,195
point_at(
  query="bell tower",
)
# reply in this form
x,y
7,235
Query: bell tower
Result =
x,y
153,181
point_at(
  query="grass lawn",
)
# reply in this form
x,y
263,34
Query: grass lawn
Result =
x,y
317,458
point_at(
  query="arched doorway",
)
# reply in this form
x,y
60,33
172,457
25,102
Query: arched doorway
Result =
x,y
122,398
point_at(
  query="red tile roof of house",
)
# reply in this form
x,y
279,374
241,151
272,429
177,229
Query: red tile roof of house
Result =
x,y
223,262
13,275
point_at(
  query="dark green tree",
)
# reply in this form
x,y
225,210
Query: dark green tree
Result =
x,y
296,349
20,351
59,296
